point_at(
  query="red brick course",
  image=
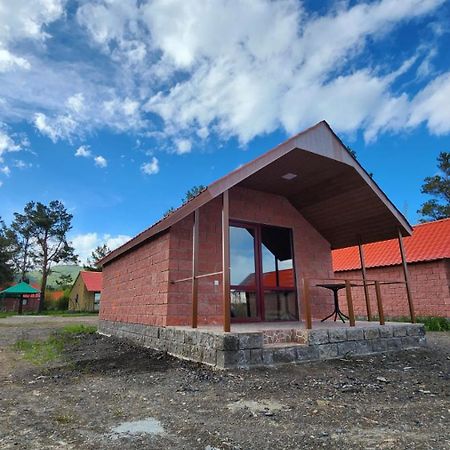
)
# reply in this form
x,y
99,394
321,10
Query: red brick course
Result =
x,y
430,287
135,285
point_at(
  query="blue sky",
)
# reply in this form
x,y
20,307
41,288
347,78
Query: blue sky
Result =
x,y
118,107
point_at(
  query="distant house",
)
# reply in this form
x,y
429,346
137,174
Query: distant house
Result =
x,y
428,257
21,297
86,291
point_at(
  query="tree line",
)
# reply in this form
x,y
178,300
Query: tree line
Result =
x,y
37,238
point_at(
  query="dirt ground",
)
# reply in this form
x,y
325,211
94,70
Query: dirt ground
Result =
x,y
106,394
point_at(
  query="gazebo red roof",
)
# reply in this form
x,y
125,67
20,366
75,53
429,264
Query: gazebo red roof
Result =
x,y
430,241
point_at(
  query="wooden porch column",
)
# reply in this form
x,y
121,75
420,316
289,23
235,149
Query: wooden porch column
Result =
x,y
406,275
226,261
364,275
306,304
195,234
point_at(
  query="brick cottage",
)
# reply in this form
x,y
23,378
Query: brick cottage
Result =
x,y
428,256
233,274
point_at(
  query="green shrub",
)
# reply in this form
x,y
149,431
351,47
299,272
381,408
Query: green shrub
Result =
x,y
435,323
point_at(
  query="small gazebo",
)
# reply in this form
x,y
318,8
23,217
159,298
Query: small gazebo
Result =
x,y
19,290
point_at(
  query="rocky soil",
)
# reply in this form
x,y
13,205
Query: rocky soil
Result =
x,y
106,394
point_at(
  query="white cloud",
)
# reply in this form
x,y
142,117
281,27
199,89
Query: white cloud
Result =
x,y
245,82
83,151
183,146
8,143
22,19
151,167
59,127
5,170
213,68
432,106
100,161
84,244
1,183
76,103
20,164
8,61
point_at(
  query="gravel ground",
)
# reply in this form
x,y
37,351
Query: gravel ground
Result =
x,y
106,394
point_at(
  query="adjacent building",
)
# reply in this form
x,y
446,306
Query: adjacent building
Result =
x,y
428,257
86,291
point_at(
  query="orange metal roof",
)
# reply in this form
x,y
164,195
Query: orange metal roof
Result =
x,y
430,241
92,280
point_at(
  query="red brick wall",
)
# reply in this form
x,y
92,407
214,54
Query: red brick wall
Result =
x,y
312,253
430,283
135,285
11,304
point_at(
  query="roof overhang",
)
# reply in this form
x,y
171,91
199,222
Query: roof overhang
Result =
x,y
331,190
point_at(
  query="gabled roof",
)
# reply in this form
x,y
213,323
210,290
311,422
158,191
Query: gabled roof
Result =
x,y
332,191
430,242
20,288
92,280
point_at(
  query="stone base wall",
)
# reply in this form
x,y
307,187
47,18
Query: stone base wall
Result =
x,y
244,350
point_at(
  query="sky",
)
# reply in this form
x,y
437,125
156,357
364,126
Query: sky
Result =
x,y
118,107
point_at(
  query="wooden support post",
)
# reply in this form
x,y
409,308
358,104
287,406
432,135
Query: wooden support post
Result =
x,y
195,234
307,304
379,302
364,275
351,313
405,273
226,261
20,306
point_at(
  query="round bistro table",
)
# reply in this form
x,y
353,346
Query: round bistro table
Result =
x,y
336,287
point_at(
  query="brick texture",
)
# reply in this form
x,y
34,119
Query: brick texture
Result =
x,y
311,251
135,286
430,287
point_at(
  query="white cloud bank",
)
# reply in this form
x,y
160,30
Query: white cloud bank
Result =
x,y
85,244
229,68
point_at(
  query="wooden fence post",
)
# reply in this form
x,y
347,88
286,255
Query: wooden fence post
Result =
x,y
379,302
351,313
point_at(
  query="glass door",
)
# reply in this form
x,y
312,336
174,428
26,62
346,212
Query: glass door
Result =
x,y
244,276
278,277
262,273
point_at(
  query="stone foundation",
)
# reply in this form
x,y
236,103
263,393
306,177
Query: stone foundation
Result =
x,y
268,347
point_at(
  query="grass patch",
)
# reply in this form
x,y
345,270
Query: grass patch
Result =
x,y
42,352
435,323
66,313
3,314
78,328
431,323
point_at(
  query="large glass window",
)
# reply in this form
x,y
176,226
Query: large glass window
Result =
x,y
278,277
244,298
262,273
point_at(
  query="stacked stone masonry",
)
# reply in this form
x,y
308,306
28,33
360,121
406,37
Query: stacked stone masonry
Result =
x,y
245,350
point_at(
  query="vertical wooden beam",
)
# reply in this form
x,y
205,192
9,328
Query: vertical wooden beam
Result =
x,y
351,313
379,302
307,304
406,275
195,235
226,261
364,275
